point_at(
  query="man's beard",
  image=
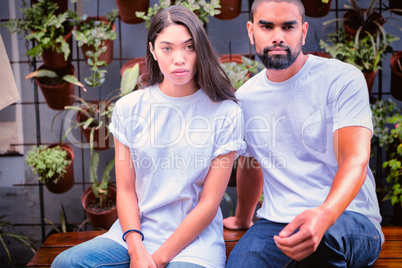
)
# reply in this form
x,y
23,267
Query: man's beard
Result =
x,y
278,62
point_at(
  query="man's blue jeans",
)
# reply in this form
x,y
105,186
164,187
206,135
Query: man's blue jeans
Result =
x,y
353,241
101,252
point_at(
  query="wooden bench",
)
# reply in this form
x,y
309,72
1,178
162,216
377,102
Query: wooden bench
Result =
x,y
391,254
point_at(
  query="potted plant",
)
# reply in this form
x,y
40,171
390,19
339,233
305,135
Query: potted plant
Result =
x,y
201,8
6,233
50,33
127,9
93,118
364,53
395,6
57,86
396,75
129,79
229,9
240,72
316,8
54,166
99,200
95,35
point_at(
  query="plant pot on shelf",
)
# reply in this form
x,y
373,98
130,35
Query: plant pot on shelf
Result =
x,y
396,75
127,9
101,136
100,218
57,93
143,68
316,8
67,181
396,4
231,58
55,60
230,9
370,77
107,56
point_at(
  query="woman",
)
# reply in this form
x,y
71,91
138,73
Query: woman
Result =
x,y
175,143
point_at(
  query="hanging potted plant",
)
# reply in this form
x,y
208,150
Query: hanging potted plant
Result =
x,y
54,166
93,118
99,200
229,9
57,86
316,8
127,9
396,75
50,33
201,8
364,53
127,70
95,36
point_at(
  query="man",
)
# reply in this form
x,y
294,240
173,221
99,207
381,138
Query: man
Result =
x,y
308,130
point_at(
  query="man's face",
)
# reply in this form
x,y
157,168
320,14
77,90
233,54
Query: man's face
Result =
x,y
277,34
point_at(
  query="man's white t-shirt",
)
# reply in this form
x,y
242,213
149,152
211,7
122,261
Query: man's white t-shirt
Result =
x,y
172,142
289,129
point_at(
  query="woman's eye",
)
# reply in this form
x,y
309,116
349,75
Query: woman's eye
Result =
x,y
166,49
190,47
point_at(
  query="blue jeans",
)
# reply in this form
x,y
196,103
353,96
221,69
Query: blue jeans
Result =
x,y
101,252
353,241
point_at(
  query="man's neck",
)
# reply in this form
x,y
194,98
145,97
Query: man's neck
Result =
x,y
285,74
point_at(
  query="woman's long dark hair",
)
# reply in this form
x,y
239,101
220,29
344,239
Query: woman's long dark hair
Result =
x,y
210,76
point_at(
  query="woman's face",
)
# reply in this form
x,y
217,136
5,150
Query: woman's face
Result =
x,y
176,57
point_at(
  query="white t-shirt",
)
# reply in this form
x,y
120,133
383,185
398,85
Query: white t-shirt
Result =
x,y
172,142
289,129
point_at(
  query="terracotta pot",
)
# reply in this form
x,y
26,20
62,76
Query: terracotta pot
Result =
x,y
57,96
127,9
107,56
67,181
396,75
231,58
102,220
396,4
230,9
56,60
370,77
143,68
351,24
102,137
316,8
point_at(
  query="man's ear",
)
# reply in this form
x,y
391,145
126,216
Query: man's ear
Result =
x,y
152,50
250,30
304,32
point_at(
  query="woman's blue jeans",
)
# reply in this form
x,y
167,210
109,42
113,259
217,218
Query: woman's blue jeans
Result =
x,y
353,241
101,252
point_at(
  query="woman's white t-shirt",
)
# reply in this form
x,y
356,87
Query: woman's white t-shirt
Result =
x,y
172,142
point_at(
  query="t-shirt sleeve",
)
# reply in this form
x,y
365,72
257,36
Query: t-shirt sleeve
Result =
x,y
118,126
352,107
229,136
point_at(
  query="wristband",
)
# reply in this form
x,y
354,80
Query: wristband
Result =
x,y
132,230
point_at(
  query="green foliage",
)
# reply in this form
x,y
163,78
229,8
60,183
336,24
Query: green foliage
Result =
x,y
94,33
239,73
97,114
44,27
100,188
48,163
51,74
129,79
365,54
388,114
201,8
6,231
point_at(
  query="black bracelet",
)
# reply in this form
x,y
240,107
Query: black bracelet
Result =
x,y
132,230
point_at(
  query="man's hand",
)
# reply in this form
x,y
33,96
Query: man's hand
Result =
x,y
234,224
311,226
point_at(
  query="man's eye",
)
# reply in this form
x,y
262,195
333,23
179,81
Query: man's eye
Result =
x,y
267,27
288,27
